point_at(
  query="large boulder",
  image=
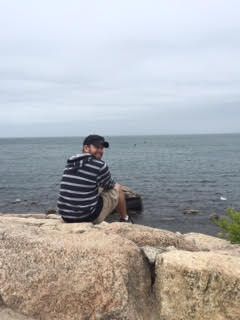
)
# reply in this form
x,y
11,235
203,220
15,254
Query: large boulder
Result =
x,y
55,274
209,243
53,270
206,242
197,285
8,314
147,236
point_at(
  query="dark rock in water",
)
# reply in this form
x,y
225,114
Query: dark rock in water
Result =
x,y
133,200
191,211
214,216
51,211
17,200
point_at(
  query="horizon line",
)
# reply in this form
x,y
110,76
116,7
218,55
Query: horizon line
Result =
x,y
124,135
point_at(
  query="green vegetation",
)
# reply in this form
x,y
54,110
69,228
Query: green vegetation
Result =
x,y
230,225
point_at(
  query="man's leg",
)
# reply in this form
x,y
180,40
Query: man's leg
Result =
x,y
122,206
110,201
113,200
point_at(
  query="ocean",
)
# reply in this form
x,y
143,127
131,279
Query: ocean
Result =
x,y
172,173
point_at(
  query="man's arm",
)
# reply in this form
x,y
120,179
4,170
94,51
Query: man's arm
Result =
x,y
104,179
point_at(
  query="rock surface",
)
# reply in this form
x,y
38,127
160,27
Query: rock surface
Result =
x,y
197,285
146,236
53,270
208,243
8,314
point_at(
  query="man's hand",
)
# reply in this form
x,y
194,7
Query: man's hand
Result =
x,y
117,186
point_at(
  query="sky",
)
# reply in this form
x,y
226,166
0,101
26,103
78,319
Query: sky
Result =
x,y
71,68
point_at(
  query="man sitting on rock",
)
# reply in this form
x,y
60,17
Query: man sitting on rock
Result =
x,y
87,191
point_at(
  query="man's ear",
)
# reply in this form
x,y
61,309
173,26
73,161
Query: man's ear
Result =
x,y
86,148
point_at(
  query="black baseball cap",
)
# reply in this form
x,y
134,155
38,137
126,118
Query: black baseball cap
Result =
x,y
95,140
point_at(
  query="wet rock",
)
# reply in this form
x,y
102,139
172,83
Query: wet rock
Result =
x,y
133,199
18,200
51,211
190,211
214,216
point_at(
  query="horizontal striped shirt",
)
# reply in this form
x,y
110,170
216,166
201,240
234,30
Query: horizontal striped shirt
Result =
x,y
78,196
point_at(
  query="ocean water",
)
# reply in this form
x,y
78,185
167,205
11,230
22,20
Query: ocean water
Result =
x,y
171,172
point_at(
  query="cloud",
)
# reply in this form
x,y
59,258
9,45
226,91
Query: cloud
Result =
x,y
68,62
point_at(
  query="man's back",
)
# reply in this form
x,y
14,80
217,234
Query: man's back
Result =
x,y
79,196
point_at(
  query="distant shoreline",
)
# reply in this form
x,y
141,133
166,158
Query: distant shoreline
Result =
x,y
127,135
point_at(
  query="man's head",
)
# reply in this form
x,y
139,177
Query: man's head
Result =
x,y
95,144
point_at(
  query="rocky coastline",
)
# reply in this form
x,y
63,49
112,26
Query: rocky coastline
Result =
x,y
51,270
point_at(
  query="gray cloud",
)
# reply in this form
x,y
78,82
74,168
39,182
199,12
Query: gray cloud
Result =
x,y
117,67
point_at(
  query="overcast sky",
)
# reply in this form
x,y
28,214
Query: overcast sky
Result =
x,y
119,67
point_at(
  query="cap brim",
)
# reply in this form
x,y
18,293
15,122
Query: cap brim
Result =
x,y
104,144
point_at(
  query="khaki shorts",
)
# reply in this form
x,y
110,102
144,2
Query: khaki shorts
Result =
x,y
110,202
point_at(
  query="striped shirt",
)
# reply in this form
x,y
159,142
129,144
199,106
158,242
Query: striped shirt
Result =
x,y
78,197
